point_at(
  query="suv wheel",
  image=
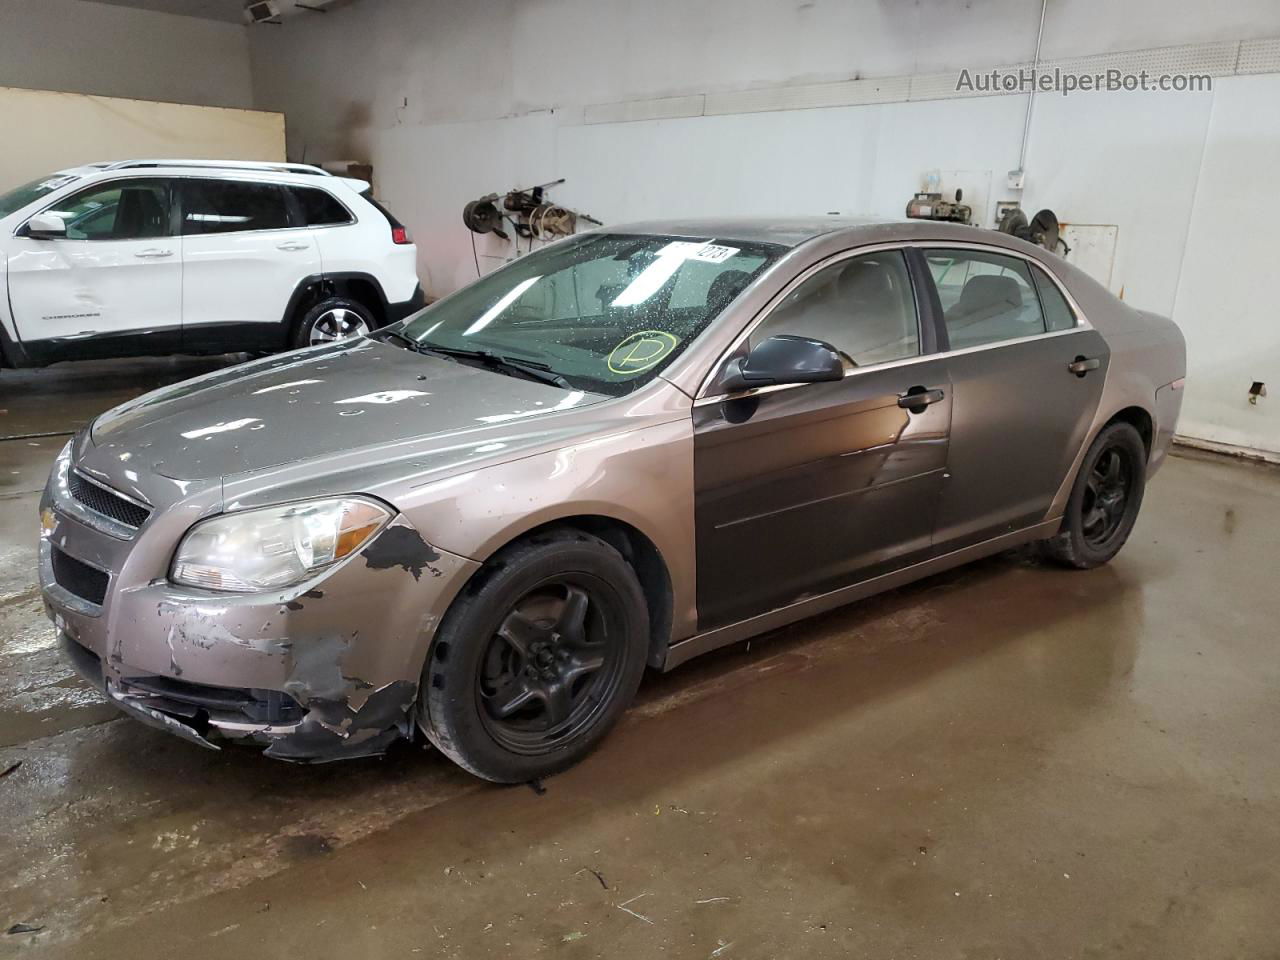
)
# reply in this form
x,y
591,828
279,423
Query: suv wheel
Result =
x,y
336,318
532,667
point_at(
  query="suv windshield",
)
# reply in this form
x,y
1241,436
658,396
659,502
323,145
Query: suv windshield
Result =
x,y
18,198
604,312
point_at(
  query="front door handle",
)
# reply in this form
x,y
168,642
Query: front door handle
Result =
x,y
918,398
1082,365
292,245
153,254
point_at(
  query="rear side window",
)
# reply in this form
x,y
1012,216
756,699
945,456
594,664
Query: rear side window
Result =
x,y
1057,312
232,206
319,208
986,297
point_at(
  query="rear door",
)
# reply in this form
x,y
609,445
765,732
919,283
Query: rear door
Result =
x,y
1026,374
116,274
243,255
805,489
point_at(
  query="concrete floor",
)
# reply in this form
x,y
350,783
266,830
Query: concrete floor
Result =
x,y
1006,761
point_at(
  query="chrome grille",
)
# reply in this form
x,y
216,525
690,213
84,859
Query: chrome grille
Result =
x,y
100,499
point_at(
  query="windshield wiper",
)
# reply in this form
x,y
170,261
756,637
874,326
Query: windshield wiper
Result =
x,y
529,368
408,342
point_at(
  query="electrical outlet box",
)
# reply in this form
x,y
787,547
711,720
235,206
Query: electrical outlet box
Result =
x,y
1017,179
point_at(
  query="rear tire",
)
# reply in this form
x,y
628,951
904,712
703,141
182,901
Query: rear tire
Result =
x,y
331,320
1104,501
537,659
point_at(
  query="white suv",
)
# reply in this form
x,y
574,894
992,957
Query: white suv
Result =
x,y
182,256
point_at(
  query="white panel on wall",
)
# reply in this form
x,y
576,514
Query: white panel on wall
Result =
x,y
809,96
630,110
1092,248
1224,302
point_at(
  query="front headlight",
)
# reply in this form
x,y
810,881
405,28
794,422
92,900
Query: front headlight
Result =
x,y
276,546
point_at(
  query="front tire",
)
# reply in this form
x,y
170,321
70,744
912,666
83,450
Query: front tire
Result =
x,y
333,319
537,659
1104,501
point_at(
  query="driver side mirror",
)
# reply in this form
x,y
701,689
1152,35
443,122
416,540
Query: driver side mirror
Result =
x,y
45,226
783,359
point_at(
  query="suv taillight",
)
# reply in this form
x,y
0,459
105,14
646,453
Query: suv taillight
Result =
x,y
400,235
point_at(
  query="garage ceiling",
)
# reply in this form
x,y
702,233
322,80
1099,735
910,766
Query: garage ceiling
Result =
x,y
229,10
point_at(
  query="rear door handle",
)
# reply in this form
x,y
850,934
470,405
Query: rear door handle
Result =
x,y
292,245
917,398
1082,365
153,254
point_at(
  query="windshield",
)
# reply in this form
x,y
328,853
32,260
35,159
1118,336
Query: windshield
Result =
x,y
605,312
16,199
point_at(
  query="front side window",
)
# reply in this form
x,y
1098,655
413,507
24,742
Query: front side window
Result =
x,y
120,210
604,312
986,297
864,307
232,206
28,193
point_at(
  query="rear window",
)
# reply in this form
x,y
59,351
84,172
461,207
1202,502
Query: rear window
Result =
x,y
231,206
319,207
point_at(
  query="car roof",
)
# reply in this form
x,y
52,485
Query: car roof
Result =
x,y
793,231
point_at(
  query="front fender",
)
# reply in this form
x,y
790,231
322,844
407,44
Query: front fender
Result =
x,y
641,477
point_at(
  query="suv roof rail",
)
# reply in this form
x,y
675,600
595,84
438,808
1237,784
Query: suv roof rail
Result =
x,y
266,165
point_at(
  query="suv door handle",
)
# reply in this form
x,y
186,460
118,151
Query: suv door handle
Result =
x,y
292,245
1082,365
917,398
154,253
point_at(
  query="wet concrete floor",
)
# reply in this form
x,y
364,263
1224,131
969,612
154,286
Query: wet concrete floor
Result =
x,y
1006,761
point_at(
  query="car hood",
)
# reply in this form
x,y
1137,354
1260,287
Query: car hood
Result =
x,y
308,405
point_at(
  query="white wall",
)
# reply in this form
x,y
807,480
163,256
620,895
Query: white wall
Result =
x,y
463,99
1225,296
98,48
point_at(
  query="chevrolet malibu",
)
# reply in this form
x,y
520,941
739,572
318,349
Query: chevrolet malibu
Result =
x,y
633,446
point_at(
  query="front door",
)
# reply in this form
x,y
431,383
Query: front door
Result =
x,y
114,284
1026,377
804,489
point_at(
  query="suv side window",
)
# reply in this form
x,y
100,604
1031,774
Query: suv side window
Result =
x,y
319,207
986,297
863,306
119,210
232,206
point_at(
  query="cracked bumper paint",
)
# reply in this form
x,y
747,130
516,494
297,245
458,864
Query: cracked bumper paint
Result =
x,y
337,658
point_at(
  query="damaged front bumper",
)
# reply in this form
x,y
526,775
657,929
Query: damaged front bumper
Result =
x,y
325,670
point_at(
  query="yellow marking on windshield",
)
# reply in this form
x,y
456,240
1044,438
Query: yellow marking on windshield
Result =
x,y
641,350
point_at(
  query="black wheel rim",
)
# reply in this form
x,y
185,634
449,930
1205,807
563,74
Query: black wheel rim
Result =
x,y
1106,497
550,667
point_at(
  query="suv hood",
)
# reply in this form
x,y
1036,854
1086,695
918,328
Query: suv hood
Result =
x,y
305,406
